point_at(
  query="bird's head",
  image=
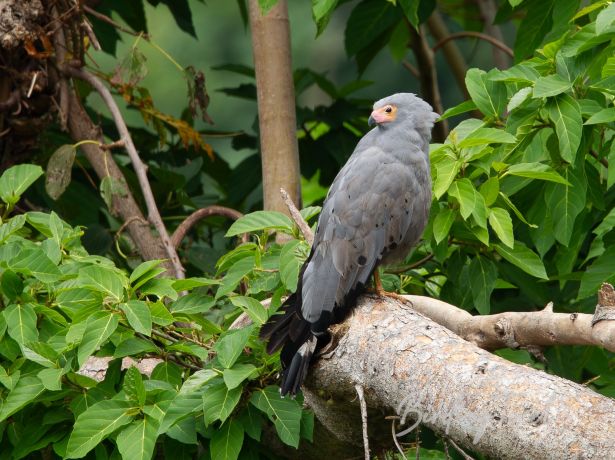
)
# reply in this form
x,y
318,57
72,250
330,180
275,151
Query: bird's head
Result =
x,y
403,109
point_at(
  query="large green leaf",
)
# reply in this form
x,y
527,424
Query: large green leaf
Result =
x,y
133,386
226,441
290,264
25,391
321,13
367,22
446,171
534,27
16,180
483,136
565,113
260,220
34,262
501,223
252,307
488,95
565,203
59,168
21,323
551,85
237,374
235,274
471,202
443,223
98,329
535,171
138,440
483,274
605,18
138,315
219,402
285,413
524,258
603,116
192,303
96,423
231,344
104,280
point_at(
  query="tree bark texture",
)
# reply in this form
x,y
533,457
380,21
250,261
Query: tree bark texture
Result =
x,y
412,367
276,104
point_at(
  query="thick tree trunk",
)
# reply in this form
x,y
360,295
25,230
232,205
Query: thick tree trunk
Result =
x,y
276,104
411,367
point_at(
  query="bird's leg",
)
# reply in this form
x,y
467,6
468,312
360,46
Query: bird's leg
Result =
x,y
379,290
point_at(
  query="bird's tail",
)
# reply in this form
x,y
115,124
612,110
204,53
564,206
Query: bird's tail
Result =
x,y
290,332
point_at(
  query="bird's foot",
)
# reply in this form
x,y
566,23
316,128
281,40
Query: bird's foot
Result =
x,y
379,290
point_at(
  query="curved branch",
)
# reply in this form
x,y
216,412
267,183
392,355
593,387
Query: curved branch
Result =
x,y
479,35
199,214
139,166
297,217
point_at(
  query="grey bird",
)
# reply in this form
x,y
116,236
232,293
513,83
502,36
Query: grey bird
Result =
x,y
375,211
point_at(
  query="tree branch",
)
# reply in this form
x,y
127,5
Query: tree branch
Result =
x,y
297,217
183,228
411,366
518,329
479,35
138,165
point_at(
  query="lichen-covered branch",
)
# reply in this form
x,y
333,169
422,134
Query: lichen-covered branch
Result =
x,y
411,367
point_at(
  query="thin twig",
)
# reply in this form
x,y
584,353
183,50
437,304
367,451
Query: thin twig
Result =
x,y
199,214
603,161
297,217
108,20
113,145
413,70
479,35
412,266
363,405
138,165
460,450
401,451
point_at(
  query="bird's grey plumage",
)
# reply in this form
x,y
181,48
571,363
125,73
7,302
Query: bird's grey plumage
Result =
x,y
375,211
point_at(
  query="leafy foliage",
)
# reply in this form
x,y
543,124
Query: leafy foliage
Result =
x,y
62,307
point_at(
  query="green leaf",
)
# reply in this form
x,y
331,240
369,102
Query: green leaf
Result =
x,y
235,274
483,274
464,107
446,171
602,270
160,287
197,380
442,223
237,374
266,5
470,201
603,116
488,95
524,258
160,314
519,98
138,440
34,262
41,353
59,168
16,180
321,13
368,21
26,391
138,315
252,422
535,171
104,280
285,413
501,223
411,10
12,226
564,111
261,220
51,378
307,425
219,402
145,272
610,180
534,27
605,19
192,303
226,441
551,85
133,386
290,264
21,323
96,423
98,329
254,309
490,190
231,344
483,136
565,203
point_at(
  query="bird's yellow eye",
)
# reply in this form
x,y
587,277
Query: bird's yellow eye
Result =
x,y
388,109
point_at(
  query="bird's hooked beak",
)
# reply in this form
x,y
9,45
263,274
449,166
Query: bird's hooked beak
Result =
x,y
382,115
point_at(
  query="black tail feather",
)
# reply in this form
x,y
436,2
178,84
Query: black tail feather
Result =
x,y
294,375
